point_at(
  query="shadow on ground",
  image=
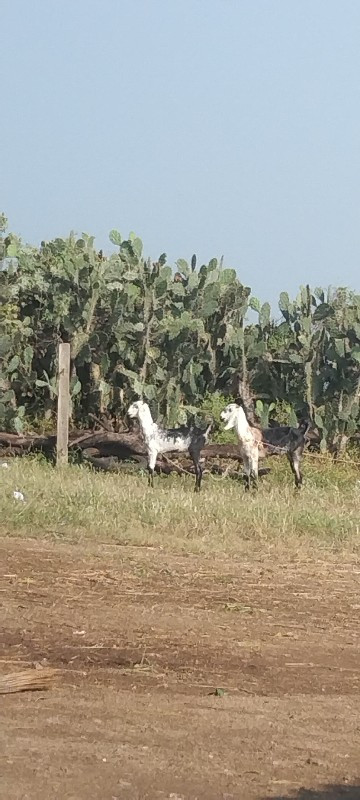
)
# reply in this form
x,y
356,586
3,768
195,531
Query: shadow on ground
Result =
x,y
331,792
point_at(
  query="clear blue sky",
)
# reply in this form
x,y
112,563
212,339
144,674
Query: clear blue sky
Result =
x,y
209,126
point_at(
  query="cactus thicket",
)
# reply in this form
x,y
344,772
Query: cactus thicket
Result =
x,y
172,335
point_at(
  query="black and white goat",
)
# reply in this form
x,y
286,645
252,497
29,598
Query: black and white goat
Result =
x,y
259,442
164,440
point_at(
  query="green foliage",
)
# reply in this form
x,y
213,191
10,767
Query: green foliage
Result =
x,y
263,412
177,337
210,409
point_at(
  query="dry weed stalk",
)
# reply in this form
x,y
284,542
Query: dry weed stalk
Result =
x,y
29,680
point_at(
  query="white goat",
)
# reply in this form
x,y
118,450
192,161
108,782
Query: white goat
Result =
x,y
255,442
162,440
249,440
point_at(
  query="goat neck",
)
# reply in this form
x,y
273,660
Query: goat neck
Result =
x,y
241,425
147,424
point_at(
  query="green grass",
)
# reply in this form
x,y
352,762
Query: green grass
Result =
x,y
75,504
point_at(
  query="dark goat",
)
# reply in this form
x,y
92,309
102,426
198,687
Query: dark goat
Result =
x,y
289,441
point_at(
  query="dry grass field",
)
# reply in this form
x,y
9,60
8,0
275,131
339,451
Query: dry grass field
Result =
x,y
78,504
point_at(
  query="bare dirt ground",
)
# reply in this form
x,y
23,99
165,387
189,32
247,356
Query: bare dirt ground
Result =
x,y
143,639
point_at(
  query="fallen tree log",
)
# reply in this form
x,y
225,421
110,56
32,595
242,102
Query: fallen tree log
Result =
x,y
163,467
34,441
121,445
112,464
105,444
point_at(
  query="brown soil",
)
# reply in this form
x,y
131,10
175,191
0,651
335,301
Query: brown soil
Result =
x,y
142,640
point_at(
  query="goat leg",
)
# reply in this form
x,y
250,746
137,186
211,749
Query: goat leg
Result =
x,y
151,467
195,457
294,460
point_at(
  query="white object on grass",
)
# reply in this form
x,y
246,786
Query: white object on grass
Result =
x,y
18,495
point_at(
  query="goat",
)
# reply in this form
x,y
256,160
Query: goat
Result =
x,y
164,440
256,442
234,416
